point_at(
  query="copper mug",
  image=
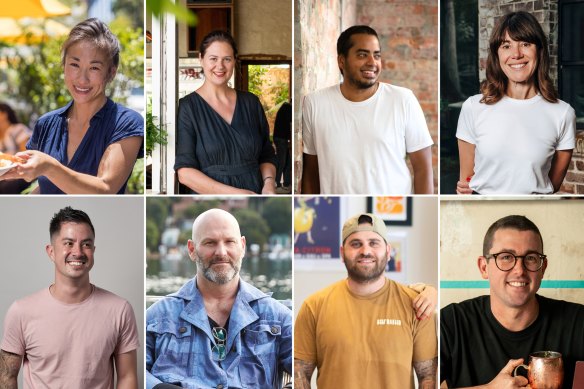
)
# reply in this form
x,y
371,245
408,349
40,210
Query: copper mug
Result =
x,y
545,370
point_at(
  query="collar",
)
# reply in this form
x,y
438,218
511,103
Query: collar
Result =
x,y
102,111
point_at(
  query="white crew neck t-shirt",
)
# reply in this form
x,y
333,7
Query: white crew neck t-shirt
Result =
x,y
515,141
361,146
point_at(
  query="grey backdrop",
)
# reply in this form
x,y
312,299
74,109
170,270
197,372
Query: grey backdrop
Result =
x,y
119,256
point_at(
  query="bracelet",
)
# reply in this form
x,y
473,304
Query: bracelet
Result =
x,y
267,178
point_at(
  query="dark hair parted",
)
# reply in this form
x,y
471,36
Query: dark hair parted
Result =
x,y
521,26
217,36
98,33
69,215
513,222
344,43
10,112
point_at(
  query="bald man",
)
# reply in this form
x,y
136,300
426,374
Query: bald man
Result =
x,y
217,331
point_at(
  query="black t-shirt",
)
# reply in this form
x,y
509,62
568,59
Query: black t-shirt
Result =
x,y
474,346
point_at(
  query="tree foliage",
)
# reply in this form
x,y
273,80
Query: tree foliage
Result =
x,y
278,213
253,226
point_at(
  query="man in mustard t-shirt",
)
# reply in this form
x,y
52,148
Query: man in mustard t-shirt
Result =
x,y
362,332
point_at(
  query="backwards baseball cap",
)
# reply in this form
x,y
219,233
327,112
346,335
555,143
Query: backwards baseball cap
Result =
x,y
364,222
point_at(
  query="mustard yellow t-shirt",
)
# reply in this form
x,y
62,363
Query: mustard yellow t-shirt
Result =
x,y
363,341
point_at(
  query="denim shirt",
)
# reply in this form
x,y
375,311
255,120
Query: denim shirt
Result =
x,y
179,341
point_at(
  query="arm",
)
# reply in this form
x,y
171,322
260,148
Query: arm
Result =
x,y
9,368
423,176
303,371
268,171
114,169
559,167
466,154
426,373
126,370
425,303
203,184
310,175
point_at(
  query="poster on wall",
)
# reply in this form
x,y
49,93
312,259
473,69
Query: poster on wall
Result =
x,y
394,210
316,227
396,266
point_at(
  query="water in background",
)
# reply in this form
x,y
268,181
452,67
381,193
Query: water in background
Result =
x,y
166,276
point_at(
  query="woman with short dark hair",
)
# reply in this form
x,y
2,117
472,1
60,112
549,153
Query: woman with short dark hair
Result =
x,y
90,145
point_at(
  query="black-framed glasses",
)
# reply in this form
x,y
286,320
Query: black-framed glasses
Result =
x,y
506,261
219,350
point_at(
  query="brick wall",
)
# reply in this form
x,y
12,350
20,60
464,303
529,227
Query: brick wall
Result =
x,y
408,36
574,181
409,47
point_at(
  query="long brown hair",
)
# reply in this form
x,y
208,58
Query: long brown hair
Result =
x,y
521,26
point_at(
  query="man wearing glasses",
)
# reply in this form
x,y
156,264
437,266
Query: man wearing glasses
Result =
x,y
484,339
217,331
362,332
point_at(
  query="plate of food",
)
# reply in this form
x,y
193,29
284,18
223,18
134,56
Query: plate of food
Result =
x,y
7,162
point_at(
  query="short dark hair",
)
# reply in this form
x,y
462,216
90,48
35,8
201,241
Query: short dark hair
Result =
x,y
217,36
514,222
69,215
344,43
10,112
98,33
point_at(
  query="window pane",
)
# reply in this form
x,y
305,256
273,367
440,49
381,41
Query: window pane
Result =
x,y
572,32
573,90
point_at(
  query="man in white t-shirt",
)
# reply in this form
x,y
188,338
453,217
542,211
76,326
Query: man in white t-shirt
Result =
x,y
71,334
357,134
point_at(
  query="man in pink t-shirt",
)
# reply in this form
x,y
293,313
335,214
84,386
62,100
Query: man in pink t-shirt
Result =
x,y
71,334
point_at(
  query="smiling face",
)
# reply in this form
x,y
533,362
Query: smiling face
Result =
x,y
71,250
217,247
365,255
87,72
362,64
515,288
218,63
518,60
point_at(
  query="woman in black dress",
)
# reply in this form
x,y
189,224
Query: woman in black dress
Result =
x,y
223,141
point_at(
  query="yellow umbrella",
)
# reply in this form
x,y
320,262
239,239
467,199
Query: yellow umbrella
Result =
x,y
29,31
32,9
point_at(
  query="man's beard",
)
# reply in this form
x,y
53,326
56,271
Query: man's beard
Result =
x,y
362,275
219,277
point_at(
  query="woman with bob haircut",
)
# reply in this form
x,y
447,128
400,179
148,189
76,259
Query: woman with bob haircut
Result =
x,y
516,137
223,142
90,145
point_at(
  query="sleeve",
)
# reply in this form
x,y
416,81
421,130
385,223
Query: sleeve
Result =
x,y
305,335
128,336
151,380
285,357
466,127
307,127
130,123
425,340
267,153
445,349
417,135
13,337
567,130
186,138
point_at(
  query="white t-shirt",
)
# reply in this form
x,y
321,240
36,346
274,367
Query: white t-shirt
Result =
x,y
361,146
515,141
70,345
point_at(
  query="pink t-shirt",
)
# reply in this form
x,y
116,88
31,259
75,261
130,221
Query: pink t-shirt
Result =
x,y
70,345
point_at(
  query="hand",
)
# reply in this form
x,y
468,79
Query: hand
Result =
x,y
463,188
425,303
36,164
505,379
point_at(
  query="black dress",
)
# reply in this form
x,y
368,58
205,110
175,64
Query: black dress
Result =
x,y
228,153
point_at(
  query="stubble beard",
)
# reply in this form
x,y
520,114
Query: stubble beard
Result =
x,y
218,277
